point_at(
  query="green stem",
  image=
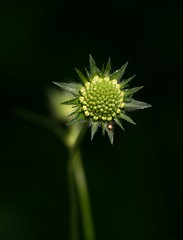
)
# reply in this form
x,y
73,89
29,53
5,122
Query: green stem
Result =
x,y
78,185
73,212
78,189
83,196
42,121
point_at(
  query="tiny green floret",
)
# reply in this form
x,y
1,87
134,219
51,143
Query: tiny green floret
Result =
x,y
103,99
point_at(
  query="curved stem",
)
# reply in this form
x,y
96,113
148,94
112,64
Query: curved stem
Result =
x,y
78,189
78,185
83,196
41,121
73,214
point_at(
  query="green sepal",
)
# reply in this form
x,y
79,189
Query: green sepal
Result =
x,y
94,129
73,101
135,105
108,68
131,91
119,73
110,135
104,127
126,118
81,76
72,88
119,123
125,82
79,117
93,68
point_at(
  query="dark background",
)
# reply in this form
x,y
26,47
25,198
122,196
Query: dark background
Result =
x,y
136,185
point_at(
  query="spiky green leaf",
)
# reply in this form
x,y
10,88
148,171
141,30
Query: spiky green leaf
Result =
x,y
81,76
125,82
72,88
119,73
94,129
119,123
108,68
131,91
135,105
126,118
93,68
110,135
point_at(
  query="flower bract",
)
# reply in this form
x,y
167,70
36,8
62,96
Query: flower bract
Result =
x,y
103,99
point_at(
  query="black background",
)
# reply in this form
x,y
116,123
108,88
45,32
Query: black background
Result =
x,y
135,185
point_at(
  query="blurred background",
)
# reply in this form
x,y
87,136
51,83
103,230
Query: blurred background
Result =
x,y
136,186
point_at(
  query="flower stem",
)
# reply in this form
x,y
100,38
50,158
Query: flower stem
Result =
x,y
42,121
79,191
83,197
73,220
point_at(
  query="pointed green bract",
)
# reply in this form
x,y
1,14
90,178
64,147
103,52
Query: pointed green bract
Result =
x,y
126,118
77,118
119,73
125,82
72,88
76,111
131,91
110,135
93,68
81,76
94,129
73,101
108,68
87,73
104,127
135,105
102,71
119,123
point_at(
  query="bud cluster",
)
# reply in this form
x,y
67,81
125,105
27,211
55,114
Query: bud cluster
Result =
x,y
101,99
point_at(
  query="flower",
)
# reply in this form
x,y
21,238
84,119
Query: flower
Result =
x,y
103,99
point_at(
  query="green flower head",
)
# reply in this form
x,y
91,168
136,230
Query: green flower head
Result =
x,y
103,99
